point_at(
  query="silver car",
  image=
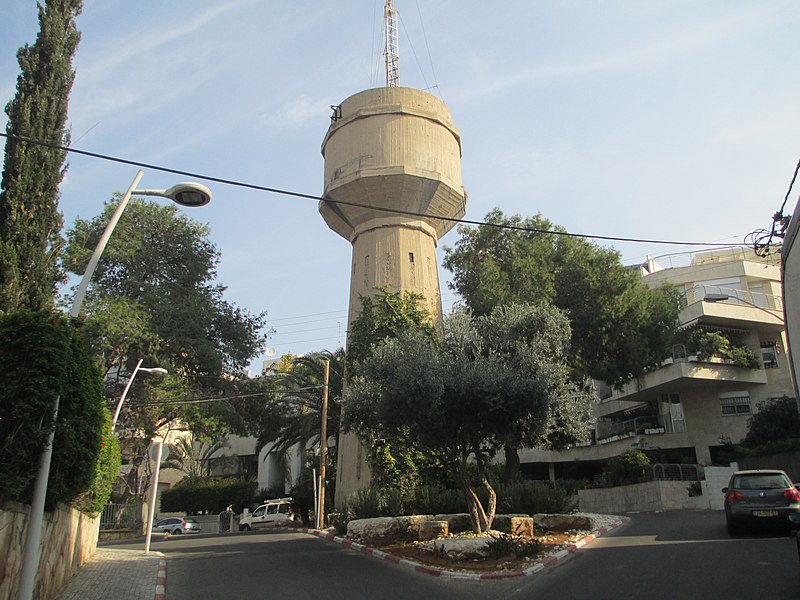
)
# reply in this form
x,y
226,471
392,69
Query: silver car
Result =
x,y
177,525
760,497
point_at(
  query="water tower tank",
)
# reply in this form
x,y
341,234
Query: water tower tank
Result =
x,y
394,148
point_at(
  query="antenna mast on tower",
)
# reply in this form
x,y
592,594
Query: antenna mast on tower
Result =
x,y
391,51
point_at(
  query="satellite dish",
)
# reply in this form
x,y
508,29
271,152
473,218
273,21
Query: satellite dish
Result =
x,y
270,352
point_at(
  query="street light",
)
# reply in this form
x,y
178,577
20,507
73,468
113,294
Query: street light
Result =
x,y
153,370
186,194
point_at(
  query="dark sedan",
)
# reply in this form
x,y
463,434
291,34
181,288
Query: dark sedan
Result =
x,y
760,497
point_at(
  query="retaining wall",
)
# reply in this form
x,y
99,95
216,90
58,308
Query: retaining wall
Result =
x,y
69,539
642,497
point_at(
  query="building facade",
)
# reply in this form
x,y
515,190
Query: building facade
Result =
x,y
729,357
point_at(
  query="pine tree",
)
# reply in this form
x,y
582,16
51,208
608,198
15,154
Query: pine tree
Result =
x,y
30,222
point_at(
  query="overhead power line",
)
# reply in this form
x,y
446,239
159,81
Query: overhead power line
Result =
x,y
263,188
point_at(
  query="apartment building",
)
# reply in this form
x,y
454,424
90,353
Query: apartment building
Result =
x,y
730,355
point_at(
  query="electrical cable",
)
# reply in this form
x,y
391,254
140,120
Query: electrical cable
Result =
x,y
397,211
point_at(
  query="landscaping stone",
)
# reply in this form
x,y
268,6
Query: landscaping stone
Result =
x,y
381,529
565,522
472,548
457,522
430,530
514,524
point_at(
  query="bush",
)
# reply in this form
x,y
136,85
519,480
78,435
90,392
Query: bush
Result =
x,y
94,499
208,495
438,501
628,467
531,497
43,359
506,544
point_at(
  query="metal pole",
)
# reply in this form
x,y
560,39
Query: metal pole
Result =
x,y
323,448
124,393
32,552
153,492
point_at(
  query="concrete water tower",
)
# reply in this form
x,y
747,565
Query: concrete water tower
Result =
x,y
392,166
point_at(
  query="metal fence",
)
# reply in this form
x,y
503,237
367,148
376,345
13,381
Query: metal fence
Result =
x,y
676,472
120,516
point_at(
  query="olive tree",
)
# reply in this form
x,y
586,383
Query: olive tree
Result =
x,y
489,379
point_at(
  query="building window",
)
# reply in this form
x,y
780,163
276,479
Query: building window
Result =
x,y
411,257
735,404
671,413
769,354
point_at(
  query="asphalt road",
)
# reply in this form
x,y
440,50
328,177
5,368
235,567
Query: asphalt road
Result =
x,y
675,555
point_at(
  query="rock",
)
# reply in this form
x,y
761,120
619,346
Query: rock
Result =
x,y
472,548
565,522
514,524
457,522
385,529
430,530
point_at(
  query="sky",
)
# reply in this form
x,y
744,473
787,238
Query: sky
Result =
x,y
661,120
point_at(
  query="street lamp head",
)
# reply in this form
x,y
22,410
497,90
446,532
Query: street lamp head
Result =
x,y
189,194
716,297
154,370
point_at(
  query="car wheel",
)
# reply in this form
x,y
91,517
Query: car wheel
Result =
x,y
177,532
244,527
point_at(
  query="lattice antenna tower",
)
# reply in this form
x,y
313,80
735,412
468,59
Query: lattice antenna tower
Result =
x,y
391,51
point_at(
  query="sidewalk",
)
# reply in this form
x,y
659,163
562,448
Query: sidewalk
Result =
x,y
119,574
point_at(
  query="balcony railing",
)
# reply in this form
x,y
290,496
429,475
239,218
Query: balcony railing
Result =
x,y
735,296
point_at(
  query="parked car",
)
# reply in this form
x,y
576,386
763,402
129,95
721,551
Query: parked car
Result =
x,y
177,525
760,497
271,513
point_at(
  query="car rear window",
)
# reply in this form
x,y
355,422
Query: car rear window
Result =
x,y
760,481
191,521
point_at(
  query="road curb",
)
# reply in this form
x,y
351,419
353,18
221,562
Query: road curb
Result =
x,y
161,579
535,567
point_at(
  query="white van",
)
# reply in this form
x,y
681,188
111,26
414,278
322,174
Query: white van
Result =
x,y
270,514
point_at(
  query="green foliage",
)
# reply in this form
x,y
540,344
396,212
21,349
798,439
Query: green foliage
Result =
x,y
708,344
193,458
43,358
491,379
212,495
154,297
628,467
777,419
30,222
768,448
620,327
434,500
384,316
506,544
532,497
108,463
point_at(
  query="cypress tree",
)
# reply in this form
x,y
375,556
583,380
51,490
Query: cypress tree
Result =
x,y
30,222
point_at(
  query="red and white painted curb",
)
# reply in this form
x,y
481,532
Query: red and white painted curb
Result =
x,y
161,579
535,566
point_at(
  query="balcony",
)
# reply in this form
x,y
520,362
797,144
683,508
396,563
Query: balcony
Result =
x,y
729,307
675,377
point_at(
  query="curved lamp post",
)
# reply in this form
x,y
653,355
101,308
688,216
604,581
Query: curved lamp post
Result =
x,y
185,194
153,370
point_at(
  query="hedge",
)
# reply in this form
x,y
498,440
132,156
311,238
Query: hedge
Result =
x,y
43,358
208,495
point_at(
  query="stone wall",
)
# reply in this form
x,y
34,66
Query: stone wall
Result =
x,y
69,539
647,497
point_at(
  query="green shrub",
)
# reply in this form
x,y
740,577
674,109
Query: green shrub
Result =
x,y
437,501
94,499
531,497
43,359
208,495
506,544
628,467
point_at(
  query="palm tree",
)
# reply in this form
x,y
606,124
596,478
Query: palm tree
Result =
x,y
194,458
296,406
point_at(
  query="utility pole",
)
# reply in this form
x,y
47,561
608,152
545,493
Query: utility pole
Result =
x,y
323,447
